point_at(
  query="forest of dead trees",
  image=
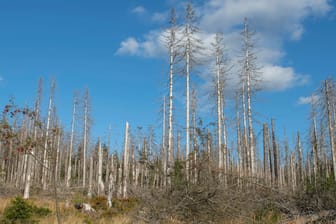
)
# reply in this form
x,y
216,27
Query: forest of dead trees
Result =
x,y
37,153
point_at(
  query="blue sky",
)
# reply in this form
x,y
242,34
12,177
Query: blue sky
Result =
x,y
113,48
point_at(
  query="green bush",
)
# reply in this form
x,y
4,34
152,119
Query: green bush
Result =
x,y
317,195
19,211
40,211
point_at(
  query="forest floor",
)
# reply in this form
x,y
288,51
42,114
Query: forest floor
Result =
x,y
123,212
192,205
69,215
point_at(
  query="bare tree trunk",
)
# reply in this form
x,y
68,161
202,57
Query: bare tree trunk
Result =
x,y
240,150
293,173
58,217
194,137
322,145
245,147
226,153
208,148
74,172
100,170
45,152
270,153
126,161
120,184
133,162
110,190
28,176
107,168
248,91
220,71
265,141
31,157
164,149
71,142
300,159
275,156
111,185
307,174
66,159
26,155
191,46
90,176
219,106
137,173
314,140
145,152
85,140
287,166
328,98
172,55
187,105
109,158
57,153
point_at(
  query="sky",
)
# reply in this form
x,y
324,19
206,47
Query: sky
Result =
x,y
113,48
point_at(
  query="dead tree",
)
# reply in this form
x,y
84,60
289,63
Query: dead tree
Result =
x,y
275,156
248,82
31,160
300,176
46,148
221,69
191,48
164,147
172,42
90,176
71,142
328,88
125,173
100,170
86,133
314,140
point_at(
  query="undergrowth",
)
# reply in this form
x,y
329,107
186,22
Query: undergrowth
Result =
x,y
21,211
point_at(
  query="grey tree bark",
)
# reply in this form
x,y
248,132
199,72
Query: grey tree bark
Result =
x,y
30,161
126,161
71,142
45,151
86,130
329,100
100,170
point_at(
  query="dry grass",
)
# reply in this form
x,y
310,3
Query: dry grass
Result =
x,y
69,215
3,204
72,216
79,220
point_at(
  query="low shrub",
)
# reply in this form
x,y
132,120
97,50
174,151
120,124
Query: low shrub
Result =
x,y
21,211
41,211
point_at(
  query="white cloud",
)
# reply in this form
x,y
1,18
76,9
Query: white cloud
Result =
x,y
130,46
150,46
307,99
275,17
139,10
277,78
273,22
